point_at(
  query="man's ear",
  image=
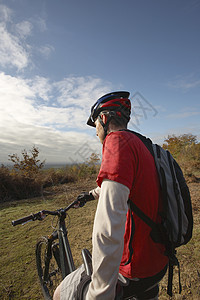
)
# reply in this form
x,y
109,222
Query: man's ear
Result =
x,y
104,118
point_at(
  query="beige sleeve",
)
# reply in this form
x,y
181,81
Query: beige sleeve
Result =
x,y
96,192
108,233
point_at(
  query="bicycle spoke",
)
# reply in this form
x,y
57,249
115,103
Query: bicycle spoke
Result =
x,y
47,266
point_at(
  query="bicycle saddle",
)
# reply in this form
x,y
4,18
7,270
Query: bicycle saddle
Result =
x,y
87,260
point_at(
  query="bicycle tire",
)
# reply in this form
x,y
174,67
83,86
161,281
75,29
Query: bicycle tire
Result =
x,y
52,264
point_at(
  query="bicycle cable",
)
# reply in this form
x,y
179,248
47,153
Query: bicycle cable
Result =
x,y
56,226
69,220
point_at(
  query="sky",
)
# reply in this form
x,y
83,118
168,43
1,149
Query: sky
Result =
x,y
58,57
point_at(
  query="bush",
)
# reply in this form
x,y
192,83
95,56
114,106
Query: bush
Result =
x,y
27,179
29,165
186,150
189,159
16,186
53,177
177,144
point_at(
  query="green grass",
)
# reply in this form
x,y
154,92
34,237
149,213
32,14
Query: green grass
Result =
x,y
18,275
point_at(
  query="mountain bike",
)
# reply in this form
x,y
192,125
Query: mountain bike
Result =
x,y
54,258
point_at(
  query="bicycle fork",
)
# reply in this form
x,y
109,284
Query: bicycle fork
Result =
x,y
51,248
66,259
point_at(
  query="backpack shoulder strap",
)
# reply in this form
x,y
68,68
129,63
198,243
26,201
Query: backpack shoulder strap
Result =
x,y
157,233
146,141
141,214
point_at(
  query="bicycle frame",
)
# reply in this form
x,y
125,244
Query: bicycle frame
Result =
x,y
60,252
66,259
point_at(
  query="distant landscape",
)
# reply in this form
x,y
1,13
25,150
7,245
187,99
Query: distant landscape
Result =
x,y
29,187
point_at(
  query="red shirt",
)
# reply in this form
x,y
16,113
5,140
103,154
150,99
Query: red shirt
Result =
x,y
127,160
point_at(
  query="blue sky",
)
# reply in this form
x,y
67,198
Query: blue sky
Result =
x,y
58,57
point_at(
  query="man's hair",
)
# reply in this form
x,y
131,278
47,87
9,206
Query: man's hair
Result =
x,y
117,121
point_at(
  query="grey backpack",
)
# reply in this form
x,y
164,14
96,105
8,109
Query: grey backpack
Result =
x,y
177,219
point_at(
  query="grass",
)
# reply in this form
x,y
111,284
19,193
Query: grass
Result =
x,y
189,258
18,275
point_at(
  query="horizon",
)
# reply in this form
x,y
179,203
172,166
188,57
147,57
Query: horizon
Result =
x,y
58,58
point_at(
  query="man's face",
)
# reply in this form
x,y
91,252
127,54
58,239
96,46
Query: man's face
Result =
x,y
99,130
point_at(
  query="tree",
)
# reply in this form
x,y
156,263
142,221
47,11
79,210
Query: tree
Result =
x,y
177,144
94,159
186,149
29,165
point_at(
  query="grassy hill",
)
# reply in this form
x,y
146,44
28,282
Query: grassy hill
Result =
x,y
18,275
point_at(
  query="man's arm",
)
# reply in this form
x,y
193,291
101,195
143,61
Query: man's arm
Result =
x,y
95,192
108,239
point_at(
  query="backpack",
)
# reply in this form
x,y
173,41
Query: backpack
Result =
x,y
177,219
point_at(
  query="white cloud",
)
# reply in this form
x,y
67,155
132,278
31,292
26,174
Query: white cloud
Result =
x,y
15,51
5,13
159,138
32,113
12,52
23,28
41,23
46,50
185,83
41,87
184,114
81,91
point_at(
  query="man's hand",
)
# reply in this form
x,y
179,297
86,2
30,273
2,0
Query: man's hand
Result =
x,y
83,198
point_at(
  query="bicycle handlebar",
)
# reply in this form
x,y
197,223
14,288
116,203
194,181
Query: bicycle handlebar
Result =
x,y
42,214
23,220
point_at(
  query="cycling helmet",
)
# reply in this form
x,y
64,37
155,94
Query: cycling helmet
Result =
x,y
116,103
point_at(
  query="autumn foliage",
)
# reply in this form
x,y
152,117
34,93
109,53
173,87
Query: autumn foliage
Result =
x,y
29,165
186,150
27,178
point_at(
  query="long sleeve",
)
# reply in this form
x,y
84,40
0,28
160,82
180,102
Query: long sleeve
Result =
x,y
108,232
96,192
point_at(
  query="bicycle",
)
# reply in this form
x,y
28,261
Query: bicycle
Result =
x,y
54,258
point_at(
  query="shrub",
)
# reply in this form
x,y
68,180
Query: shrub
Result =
x,y
55,177
27,179
29,165
186,149
16,187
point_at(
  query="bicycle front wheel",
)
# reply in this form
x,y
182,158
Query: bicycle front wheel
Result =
x,y
48,266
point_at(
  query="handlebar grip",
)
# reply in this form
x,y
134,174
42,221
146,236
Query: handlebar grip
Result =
x,y
23,220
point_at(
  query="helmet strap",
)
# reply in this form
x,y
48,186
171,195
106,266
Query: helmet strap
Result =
x,y
105,125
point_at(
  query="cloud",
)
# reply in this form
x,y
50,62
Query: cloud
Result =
x,y
184,83
12,52
41,87
80,91
23,29
159,138
46,50
5,13
183,114
15,51
50,115
54,146
41,23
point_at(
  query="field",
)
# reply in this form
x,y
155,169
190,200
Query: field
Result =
x,y
18,275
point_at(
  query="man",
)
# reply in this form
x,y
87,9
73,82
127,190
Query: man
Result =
x,y
122,246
